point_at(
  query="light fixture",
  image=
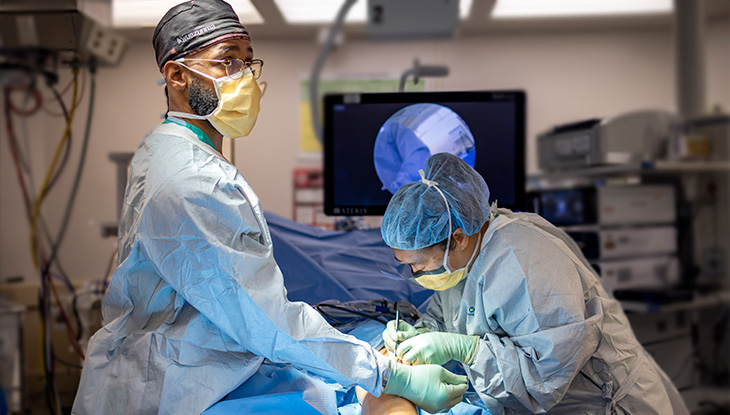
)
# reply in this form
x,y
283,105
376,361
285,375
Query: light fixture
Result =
x,y
311,12
298,12
147,13
519,9
464,9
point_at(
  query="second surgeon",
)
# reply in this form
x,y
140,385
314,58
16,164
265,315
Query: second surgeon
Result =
x,y
516,303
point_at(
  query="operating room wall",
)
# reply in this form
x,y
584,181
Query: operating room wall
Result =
x,y
568,75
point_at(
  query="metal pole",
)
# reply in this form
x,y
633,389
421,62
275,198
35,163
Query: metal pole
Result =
x,y
319,63
689,46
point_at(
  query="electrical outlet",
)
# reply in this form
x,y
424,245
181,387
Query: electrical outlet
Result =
x,y
105,45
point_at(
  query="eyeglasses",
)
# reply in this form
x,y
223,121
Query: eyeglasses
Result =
x,y
233,65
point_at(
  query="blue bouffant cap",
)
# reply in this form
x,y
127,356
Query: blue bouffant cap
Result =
x,y
192,26
417,216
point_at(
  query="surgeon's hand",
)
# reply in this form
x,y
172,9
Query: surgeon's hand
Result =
x,y
405,331
438,348
430,387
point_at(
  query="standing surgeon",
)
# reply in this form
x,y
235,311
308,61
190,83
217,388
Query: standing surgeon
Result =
x,y
516,303
197,301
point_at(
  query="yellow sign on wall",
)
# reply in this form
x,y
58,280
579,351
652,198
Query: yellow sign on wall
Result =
x,y
308,142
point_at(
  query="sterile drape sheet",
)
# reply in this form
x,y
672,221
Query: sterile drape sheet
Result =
x,y
321,265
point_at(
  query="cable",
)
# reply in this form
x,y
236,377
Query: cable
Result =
x,y
65,281
67,150
331,317
26,138
74,309
65,363
22,111
14,151
65,89
319,63
38,254
44,189
359,313
22,164
27,200
79,172
46,347
77,102
72,335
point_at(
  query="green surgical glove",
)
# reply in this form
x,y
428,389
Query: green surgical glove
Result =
x,y
430,387
405,331
438,348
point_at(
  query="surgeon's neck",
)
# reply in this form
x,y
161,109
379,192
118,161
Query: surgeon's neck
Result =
x,y
476,239
212,133
179,103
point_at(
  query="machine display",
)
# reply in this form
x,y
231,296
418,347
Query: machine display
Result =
x,y
606,205
375,143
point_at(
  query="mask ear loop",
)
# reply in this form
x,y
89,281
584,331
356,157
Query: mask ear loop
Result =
x,y
197,116
434,184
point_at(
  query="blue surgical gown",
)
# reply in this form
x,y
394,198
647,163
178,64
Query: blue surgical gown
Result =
x,y
398,155
551,339
197,301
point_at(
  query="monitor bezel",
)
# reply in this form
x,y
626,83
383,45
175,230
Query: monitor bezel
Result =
x,y
408,98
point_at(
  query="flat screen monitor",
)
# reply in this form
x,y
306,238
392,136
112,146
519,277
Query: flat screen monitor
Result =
x,y
374,143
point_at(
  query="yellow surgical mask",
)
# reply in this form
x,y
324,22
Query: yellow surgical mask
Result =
x,y
239,97
443,278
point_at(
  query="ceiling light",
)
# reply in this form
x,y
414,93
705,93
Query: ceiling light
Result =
x,y
298,12
517,9
319,11
464,9
147,13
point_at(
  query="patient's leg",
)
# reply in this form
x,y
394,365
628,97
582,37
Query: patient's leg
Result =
x,y
385,404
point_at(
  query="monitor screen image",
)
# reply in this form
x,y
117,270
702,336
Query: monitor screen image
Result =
x,y
375,143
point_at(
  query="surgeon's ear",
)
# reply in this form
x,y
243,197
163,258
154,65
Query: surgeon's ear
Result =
x,y
174,76
460,240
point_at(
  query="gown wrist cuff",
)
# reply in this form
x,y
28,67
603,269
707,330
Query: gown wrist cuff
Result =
x,y
469,358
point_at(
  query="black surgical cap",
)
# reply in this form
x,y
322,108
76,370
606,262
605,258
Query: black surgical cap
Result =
x,y
192,26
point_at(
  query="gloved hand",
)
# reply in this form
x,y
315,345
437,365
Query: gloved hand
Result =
x,y
391,335
430,387
438,348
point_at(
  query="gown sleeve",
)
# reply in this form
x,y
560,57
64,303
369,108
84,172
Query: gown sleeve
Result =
x,y
433,318
413,153
543,331
205,236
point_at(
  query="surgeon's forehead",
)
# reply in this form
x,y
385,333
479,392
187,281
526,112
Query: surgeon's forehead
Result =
x,y
412,256
236,48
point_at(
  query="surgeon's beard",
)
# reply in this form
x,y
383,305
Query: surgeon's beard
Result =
x,y
200,98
